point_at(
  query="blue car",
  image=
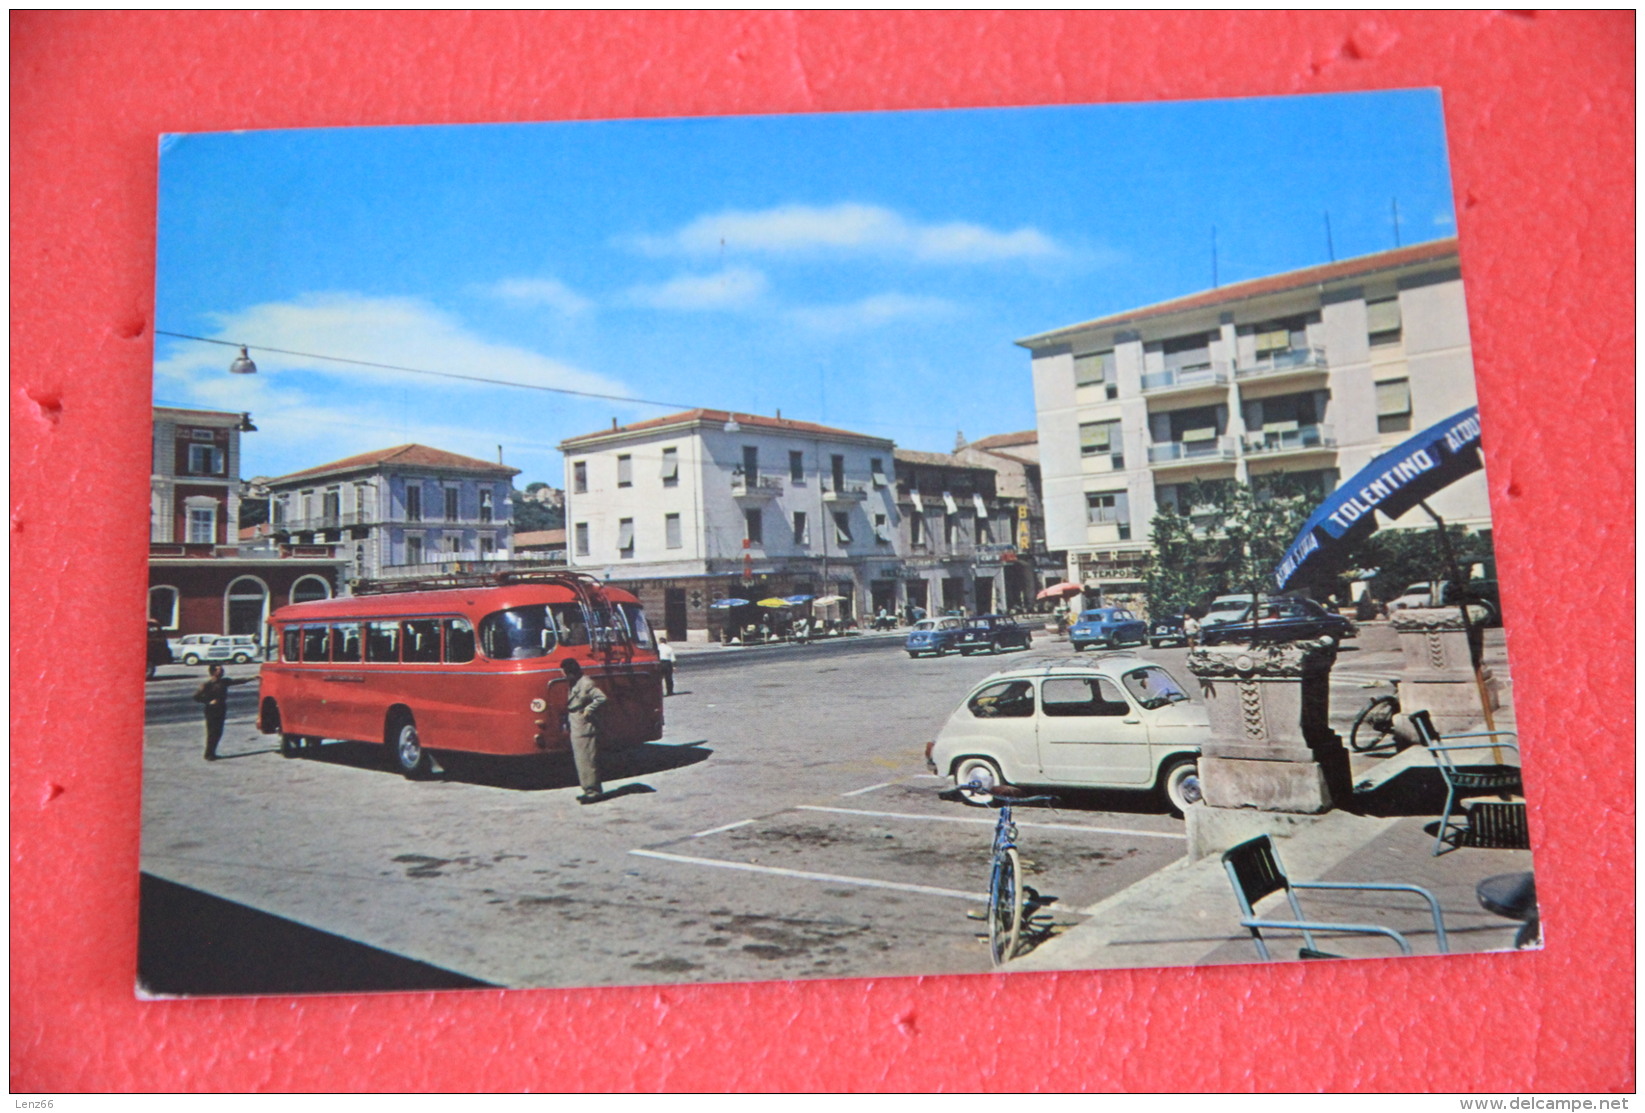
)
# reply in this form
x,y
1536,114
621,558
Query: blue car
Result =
x,y
1107,626
935,636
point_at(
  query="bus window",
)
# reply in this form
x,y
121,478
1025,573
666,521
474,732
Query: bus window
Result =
x,y
345,642
639,630
517,633
290,639
422,640
459,640
570,623
383,641
316,643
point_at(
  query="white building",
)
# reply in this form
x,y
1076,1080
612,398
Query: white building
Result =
x,y
707,505
1312,373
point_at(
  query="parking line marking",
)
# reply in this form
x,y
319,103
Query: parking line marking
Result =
x,y
870,788
727,827
805,875
990,822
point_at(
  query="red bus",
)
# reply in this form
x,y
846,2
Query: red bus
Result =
x,y
449,665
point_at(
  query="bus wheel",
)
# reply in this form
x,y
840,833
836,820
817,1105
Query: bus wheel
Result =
x,y
407,748
290,745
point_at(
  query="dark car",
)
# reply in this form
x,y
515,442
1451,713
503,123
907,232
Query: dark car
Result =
x,y
935,636
1107,626
1167,629
993,632
1480,593
1281,620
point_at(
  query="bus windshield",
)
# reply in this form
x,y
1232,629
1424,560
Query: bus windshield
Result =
x,y
533,631
639,630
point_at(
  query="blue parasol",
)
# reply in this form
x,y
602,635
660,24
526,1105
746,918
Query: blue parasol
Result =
x,y
799,599
1390,485
727,604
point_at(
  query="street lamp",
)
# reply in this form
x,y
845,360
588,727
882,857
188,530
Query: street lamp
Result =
x,y
242,364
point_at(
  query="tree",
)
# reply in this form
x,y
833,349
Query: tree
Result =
x,y
1230,541
1172,579
1407,556
531,515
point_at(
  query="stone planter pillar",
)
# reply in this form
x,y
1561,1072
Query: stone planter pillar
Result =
x,y
1272,748
1439,670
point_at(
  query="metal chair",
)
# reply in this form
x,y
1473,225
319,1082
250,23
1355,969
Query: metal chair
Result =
x,y
1501,826
1255,871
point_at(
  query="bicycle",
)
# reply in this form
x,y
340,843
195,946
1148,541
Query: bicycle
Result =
x,y
1009,901
1374,726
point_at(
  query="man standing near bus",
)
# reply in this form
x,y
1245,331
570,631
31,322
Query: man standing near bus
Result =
x,y
665,657
214,695
582,704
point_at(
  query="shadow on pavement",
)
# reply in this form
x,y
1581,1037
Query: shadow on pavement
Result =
x,y
191,943
528,774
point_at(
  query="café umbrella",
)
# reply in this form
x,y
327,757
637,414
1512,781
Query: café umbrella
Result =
x,y
774,602
1390,485
727,604
1060,591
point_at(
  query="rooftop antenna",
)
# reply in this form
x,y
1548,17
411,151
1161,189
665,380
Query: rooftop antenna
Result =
x,y
1214,282
1330,248
1396,222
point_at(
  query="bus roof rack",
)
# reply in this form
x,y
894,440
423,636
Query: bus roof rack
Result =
x,y
461,579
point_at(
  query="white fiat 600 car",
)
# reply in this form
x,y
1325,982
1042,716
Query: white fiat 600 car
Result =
x,y
1117,721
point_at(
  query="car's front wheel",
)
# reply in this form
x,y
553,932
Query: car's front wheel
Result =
x,y
976,778
190,659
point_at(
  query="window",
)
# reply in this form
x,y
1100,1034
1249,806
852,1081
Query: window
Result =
x,y
488,544
1394,406
671,468
625,471
1272,338
291,643
1187,353
751,462
1097,367
842,527
520,633
316,643
581,534
625,538
950,529
485,504
202,525
579,477
163,607
451,504
459,641
345,642
838,465
414,502
671,531
796,466
453,543
1082,696
383,641
205,459
414,549
754,525
916,529
420,639
307,589
362,502
331,504
1009,699
1103,438
876,468
882,532
1383,324
280,509
1104,507
802,535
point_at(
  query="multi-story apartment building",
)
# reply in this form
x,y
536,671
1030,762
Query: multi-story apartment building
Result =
x,y
399,513
1312,373
202,579
708,505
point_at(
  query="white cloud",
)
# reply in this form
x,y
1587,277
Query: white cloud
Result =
x,y
548,292
849,227
731,288
871,312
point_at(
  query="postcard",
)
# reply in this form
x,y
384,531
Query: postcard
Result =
x,y
854,545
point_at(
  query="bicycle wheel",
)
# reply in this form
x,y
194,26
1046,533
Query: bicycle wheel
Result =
x,y
1005,906
1374,724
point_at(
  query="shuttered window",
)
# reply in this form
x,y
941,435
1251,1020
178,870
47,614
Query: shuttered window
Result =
x,y
671,531
625,538
1382,321
671,467
1095,367
842,527
1394,406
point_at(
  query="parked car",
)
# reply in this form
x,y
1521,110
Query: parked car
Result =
x,y
935,636
1108,626
191,648
1230,608
238,648
1114,722
1167,629
993,632
1281,620
1446,593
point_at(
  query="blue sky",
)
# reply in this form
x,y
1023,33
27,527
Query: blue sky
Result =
x,y
863,270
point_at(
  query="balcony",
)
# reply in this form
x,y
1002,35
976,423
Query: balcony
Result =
x,y
1279,363
1301,439
755,486
1208,450
844,492
1186,377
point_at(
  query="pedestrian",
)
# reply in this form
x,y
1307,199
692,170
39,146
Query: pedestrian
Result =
x,y
1190,630
159,650
665,654
582,705
213,694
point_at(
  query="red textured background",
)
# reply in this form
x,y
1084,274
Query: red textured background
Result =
x,y
1540,110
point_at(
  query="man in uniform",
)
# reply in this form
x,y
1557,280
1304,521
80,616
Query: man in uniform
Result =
x,y
582,704
214,695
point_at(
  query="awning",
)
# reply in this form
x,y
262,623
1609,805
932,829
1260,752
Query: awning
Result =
x,y
1390,485
982,508
949,504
